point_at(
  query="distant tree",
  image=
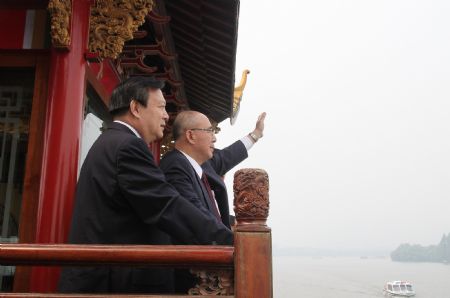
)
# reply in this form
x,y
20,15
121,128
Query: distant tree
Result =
x,y
417,253
413,253
446,256
442,247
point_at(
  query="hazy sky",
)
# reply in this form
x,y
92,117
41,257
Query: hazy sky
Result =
x,y
357,139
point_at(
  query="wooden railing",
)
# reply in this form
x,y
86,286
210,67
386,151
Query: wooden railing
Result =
x,y
251,256
130,255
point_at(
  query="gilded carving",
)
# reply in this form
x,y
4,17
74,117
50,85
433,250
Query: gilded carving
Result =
x,y
237,96
60,12
113,22
251,194
218,282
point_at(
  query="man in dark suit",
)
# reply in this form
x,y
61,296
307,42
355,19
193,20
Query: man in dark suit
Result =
x,y
195,160
122,197
194,156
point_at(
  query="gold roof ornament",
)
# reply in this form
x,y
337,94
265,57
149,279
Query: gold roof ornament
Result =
x,y
238,91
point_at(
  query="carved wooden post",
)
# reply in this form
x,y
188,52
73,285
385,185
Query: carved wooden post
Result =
x,y
252,237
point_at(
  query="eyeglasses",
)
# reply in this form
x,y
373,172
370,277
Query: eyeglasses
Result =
x,y
211,130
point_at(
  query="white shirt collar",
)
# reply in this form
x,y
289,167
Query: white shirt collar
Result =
x,y
130,127
198,169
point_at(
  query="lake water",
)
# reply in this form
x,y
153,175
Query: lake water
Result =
x,y
347,277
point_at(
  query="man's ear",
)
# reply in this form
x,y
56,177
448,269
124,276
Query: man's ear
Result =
x,y
190,136
134,108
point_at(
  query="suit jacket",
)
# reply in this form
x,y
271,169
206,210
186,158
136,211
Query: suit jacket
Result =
x,y
180,173
216,168
122,197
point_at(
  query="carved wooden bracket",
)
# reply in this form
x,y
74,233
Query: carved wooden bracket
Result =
x,y
113,22
251,197
133,56
213,282
60,14
156,18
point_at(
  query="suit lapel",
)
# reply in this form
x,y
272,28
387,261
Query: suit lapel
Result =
x,y
204,191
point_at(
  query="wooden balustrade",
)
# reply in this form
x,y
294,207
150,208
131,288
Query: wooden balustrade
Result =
x,y
252,237
251,256
129,255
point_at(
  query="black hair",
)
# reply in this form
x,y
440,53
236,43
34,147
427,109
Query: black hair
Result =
x,y
132,88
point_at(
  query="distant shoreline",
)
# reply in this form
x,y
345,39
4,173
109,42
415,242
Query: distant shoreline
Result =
x,y
318,252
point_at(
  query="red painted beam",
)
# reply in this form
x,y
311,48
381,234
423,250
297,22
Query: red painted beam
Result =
x,y
12,27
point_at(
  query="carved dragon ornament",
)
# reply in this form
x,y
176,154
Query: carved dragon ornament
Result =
x,y
113,22
60,13
251,194
213,282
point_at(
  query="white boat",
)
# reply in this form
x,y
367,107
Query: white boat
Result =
x,y
399,288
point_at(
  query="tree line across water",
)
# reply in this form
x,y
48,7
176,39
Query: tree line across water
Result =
x,y
418,253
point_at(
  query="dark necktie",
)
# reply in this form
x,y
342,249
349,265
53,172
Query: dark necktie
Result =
x,y
211,197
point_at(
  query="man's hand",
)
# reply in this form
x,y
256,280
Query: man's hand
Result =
x,y
259,128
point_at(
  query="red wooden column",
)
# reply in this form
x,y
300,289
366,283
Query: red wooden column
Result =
x,y
252,238
61,142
